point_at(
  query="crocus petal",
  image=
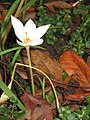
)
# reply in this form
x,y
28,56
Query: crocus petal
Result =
x,y
36,42
30,25
32,43
21,43
28,34
18,28
30,28
40,31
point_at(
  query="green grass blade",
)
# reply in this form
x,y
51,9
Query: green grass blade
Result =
x,y
11,95
14,59
10,50
7,18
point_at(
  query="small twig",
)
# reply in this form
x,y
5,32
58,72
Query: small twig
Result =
x,y
19,85
61,83
87,87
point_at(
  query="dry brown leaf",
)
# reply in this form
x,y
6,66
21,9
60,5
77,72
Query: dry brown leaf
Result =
x,y
39,107
22,73
39,92
66,81
47,64
88,61
37,114
46,110
43,61
57,4
74,107
75,66
29,101
77,96
60,98
31,15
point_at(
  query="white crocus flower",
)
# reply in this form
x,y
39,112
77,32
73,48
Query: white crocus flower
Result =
x,y
28,35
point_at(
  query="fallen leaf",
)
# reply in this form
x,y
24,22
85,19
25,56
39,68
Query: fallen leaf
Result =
x,y
31,15
88,61
46,110
74,25
39,92
75,66
29,101
60,99
66,81
57,4
74,107
39,106
21,72
43,61
37,114
77,96
30,9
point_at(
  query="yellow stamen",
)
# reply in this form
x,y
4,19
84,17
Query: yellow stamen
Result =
x,y
27,39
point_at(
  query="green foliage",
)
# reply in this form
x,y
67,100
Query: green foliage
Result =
x,y
87,99
10,112
83,113
65,113
64,75
79,39
50,97
59,25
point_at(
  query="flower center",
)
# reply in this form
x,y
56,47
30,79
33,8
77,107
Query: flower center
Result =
x,y
27,39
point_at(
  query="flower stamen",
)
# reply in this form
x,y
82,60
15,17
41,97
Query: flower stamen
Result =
x,y
27,39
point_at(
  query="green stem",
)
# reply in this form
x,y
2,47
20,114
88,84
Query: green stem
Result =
x,y
31,73
43,87
42,82
13,73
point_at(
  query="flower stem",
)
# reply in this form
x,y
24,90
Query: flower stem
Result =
x,y
31,73
57,102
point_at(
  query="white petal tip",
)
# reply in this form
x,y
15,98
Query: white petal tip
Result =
x,y
12,17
